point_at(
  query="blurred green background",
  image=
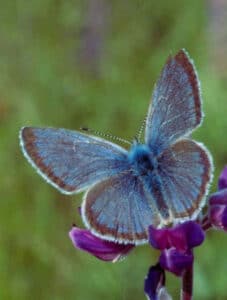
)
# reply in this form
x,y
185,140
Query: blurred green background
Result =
x,y
94,63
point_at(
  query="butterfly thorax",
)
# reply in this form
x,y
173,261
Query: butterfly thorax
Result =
x,y
142,161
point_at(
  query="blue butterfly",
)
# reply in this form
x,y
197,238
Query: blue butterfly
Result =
x,y
160,182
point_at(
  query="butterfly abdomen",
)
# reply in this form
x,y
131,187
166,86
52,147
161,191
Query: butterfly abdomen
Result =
x,y
145,167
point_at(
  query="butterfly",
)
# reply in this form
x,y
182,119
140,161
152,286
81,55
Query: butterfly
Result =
x,y
162,181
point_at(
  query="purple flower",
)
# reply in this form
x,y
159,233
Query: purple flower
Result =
x,y
84,240
218,209
176,245
217,214
176,261
154,284
222,182
183,236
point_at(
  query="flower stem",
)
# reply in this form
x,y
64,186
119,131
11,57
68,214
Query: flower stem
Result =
x,y
187,284
206,223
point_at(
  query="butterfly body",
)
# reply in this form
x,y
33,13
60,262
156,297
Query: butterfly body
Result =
x,y
142,161
144,165
162,181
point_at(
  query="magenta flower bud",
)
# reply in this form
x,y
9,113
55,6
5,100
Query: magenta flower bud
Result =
x,y
104,250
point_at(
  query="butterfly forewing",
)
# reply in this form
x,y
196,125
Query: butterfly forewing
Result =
x,y
69,160
175,109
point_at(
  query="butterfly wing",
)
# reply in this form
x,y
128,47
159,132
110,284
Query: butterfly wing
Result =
x,y
69,160
119,209
185,170
176,104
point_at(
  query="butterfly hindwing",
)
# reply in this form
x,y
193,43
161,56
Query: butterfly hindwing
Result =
x,y
119,209
69,160
176,104
185,170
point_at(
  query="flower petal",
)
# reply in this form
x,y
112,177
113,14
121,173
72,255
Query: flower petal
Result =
x,y
84,240
219,197
224,219
187,235
176,261
159,238
222,182
163,294
182,236
154,281
218,216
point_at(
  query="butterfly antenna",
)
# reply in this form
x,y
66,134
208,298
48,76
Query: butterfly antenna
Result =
x,y
105,135
141,129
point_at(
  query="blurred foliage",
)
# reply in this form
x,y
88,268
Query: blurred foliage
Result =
x,y
67,64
